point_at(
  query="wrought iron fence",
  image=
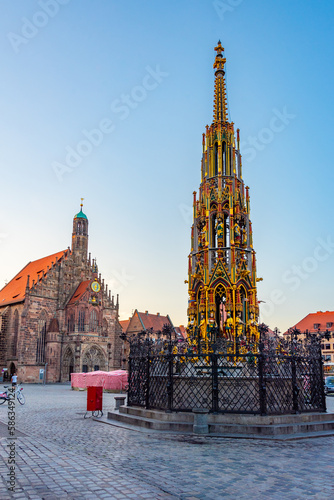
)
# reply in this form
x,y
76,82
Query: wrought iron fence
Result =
x,y
275,376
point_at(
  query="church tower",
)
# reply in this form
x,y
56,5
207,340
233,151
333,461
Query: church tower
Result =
x,y
222,265
80,235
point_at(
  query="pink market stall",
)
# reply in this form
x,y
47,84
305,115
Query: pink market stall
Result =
x,y
116,380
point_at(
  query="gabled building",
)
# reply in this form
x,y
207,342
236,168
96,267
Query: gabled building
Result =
x,y
181,332
153,323
320,323
57,316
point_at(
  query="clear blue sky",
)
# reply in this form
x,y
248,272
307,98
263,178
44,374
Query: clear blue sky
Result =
x,y
142,72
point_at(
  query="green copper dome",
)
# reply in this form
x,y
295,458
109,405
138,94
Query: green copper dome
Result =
x,y
80,215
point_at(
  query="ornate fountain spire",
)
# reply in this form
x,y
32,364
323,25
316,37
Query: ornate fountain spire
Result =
x,y
222,266
220,102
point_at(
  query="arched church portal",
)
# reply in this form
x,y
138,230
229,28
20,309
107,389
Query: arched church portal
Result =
x,y
67,364
12,369
94,359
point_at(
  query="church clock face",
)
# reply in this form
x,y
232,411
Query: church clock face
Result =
x,y
95,286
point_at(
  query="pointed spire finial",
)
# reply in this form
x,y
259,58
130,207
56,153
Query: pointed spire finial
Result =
x,y
220,59
81,204
220,101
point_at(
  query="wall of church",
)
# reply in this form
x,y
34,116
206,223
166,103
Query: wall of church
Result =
x,y
26,342
10,335
35,321
53,353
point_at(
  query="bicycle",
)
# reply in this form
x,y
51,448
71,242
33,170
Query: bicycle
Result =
x,y
18,393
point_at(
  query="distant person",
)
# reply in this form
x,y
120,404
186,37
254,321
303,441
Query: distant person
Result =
x,y
14,379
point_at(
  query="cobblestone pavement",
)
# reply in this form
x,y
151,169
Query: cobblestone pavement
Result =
x,y
64,456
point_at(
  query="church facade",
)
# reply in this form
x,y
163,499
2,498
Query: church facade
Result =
x,y
58,317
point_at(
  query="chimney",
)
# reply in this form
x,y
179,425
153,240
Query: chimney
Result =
x,y
158,314
146,312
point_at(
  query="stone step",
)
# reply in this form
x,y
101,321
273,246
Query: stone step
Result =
x,y
244,419
157,414
275,437
234,435
282,429
228,418
222,428
149,423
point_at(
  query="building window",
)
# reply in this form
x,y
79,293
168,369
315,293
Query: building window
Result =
x,y
70,324
81,321
41,334
16,332
327,346
96,368
93,323
84,368
329,325
316,326
327,357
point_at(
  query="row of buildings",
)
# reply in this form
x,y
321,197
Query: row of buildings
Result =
x,y
320,323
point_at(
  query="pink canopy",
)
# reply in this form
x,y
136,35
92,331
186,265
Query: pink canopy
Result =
x,y
116,380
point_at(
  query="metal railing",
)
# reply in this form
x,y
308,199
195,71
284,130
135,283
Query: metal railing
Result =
x,y
225,377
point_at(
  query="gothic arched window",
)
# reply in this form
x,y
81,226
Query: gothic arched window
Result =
x,y
81,321
16,332
41,337
93,321
70,323
216,160
224,158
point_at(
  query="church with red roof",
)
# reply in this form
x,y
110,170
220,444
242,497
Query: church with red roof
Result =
x,y
57,316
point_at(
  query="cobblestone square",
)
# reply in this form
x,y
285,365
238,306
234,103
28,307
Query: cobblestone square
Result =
x,y
61,455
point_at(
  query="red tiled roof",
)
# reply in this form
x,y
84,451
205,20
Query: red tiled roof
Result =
x,y
81,289
124,324
181,330
15,290
319,318
155,321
